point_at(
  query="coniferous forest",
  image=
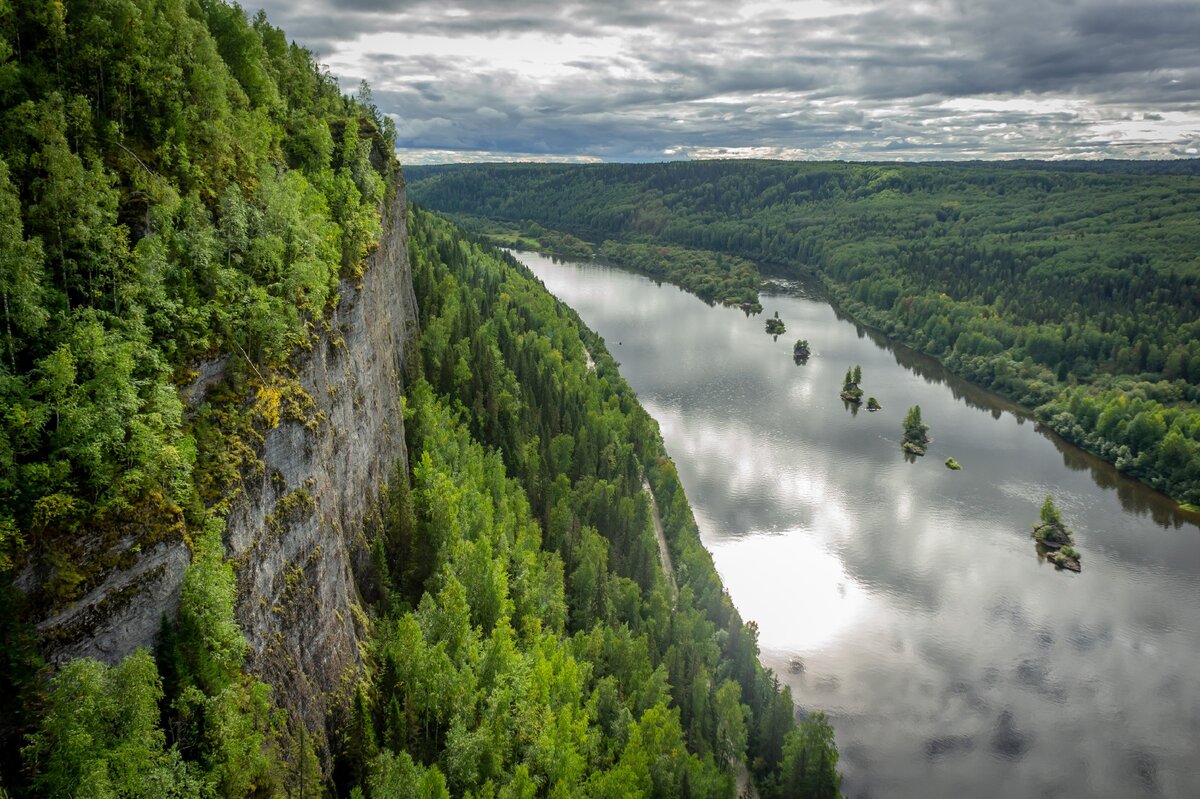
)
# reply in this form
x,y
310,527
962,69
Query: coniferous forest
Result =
x,y
179,183
1072,288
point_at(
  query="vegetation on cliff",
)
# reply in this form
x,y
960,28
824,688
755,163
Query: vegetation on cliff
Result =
x,y
178,183
1071,288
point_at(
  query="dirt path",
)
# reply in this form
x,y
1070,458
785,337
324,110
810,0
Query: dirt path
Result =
x,y
664,555
745,785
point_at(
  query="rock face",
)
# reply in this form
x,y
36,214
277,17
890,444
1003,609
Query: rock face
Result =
x,y
298,532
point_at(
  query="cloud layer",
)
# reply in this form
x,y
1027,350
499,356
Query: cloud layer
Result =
x,y
869,79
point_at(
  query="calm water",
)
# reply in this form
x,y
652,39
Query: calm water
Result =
x,y
952,661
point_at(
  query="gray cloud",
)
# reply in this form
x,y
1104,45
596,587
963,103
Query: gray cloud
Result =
x,y
650,79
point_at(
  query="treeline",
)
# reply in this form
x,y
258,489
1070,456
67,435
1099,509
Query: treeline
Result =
x,y
530,644
711,276
1043,282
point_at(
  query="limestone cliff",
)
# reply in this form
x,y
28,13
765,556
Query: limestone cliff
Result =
x,y
297,530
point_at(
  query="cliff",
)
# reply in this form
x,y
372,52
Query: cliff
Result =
x,y
297,531
298,534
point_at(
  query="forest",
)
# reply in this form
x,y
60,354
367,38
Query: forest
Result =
x,y
178,182
711,276
533,644
1073,289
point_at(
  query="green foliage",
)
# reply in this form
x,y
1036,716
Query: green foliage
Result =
x,y
1071,288
175,182
1052,529
850,389
1050,514
100,735
536,650
915,431
810,761
711,276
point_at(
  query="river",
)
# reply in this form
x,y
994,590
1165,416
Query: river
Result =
x,y
950,659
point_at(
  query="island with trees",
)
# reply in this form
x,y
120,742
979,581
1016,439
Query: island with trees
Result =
x,y
801,351
850,389
916,433
1055,539
775,325
873,404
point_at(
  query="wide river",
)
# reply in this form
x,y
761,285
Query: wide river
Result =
x,y
951,660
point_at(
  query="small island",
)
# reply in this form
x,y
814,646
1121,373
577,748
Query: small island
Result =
x,y
775,325
1066,558
873,404
916,433
1056,539
850,390
800,350
953,464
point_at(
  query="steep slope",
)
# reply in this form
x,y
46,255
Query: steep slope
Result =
x,y
299,530
208,314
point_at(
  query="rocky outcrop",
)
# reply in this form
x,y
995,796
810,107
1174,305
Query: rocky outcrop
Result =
x,y
298,533
298,530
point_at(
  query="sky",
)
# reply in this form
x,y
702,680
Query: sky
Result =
x,y
654,80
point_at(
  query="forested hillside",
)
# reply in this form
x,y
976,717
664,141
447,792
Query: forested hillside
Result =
x,y
177,182
529,642
180,187
1074,289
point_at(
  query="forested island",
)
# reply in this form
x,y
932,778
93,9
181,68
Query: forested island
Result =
x,y
193,217
1071,288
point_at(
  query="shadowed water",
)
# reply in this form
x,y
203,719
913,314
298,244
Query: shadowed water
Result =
x,y
950,659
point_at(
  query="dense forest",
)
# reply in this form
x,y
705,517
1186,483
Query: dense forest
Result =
x,y
1071,288
711,276
533,644
177,182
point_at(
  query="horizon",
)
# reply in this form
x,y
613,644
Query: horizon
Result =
x,y
520,160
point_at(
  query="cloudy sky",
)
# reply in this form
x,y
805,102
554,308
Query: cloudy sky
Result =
x,y
648,80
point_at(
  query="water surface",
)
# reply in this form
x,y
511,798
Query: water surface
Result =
x,y
951,660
